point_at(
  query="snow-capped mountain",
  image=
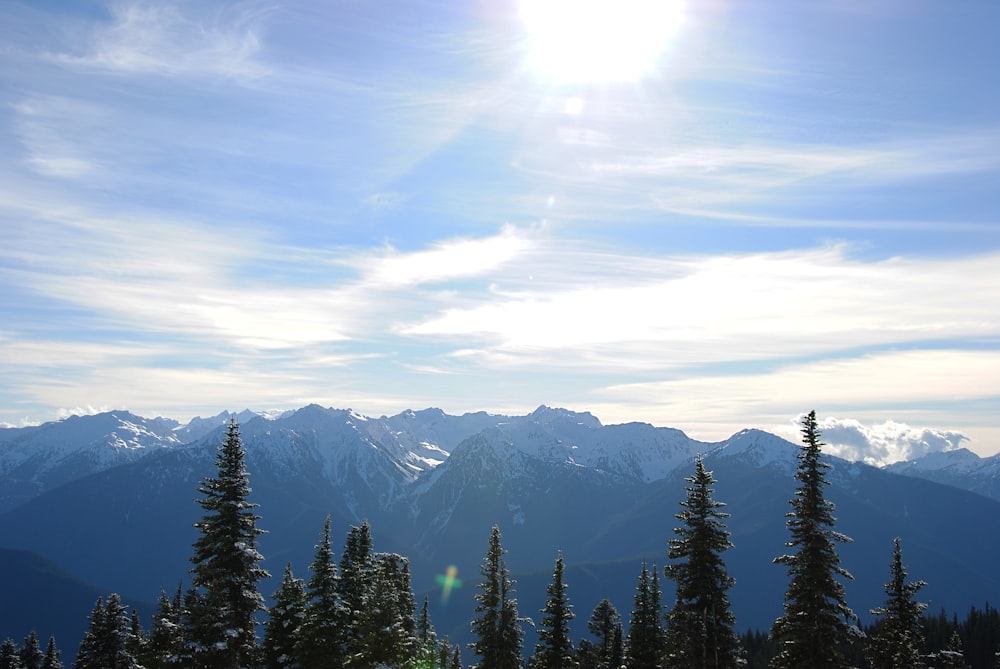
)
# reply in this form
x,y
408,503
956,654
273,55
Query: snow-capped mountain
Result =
x,y
960,468
36,459
111,496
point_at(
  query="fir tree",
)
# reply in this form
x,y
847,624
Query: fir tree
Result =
x,y
646,639
321,638
355,583
816,624
700,624
52,656
555,648
444,654
31,652
284,620
226,563
497,626
388,628
427,645
107,641
952,657
165,645
606,625
9,656
898,638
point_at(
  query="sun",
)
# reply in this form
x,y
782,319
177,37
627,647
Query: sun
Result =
x,y
598,41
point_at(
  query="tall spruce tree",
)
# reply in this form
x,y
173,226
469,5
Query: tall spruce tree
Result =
x,y
52,656
31,652
700,624
427,644
226,570
816,625
9,656
645,646
165,645
497,626
284,620
606,626
108,638
355,585
555,647
388,635
898,638
321,638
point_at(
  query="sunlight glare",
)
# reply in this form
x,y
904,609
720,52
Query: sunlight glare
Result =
x,y
598,40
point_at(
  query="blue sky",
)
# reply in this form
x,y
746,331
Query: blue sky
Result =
x,y
709,215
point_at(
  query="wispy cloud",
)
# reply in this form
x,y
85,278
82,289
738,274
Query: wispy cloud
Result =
x,y
161,39
748,307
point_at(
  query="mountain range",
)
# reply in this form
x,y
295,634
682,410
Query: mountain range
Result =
x,y
108,500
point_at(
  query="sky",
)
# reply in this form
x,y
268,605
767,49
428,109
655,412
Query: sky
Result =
x,y
708,215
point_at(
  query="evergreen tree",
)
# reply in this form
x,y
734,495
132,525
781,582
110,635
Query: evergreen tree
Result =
x,y
355,584
497,627
444,654
606,626
165,645
427,645
31,652
646,638
284,620
10,658
898,639
388,634
52,654
816,624
226,563
952,657
107,641
700,624
555,648
321,637
136,641
456,658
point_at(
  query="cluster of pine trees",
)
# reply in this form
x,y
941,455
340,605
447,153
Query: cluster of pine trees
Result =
x,y
361,612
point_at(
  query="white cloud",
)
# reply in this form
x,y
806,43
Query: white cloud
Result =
x,y
444,261
694,310
884,443
158,38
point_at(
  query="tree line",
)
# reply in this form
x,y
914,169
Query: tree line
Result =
x,y
361,611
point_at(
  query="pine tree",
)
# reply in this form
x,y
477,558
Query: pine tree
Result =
x,y
9,656
952,657
52,656
284,620
427,645
497,627
444,654
321,638
31,652
356,570
165,645
700,624
816,624
388,634
226,563
898,639
555,648
646,638
606,625
107,641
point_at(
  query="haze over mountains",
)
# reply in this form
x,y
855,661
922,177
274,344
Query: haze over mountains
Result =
x,y
109,498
